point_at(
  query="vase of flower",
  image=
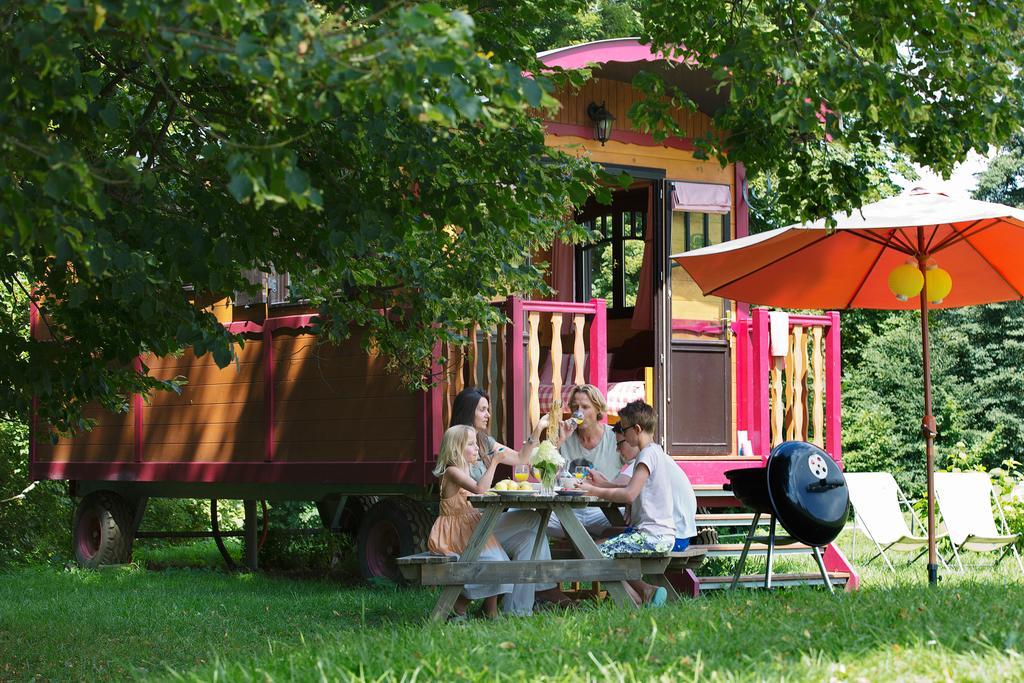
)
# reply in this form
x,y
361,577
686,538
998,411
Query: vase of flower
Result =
x,y
547,460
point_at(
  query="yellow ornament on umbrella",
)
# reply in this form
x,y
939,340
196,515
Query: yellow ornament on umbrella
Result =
x,y
906,281
940,284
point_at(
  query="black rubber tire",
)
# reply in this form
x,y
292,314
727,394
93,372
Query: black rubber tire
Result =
x,y
392,528
352,514
102,530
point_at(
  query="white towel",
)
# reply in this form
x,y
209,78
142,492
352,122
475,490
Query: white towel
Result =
x,y
778,328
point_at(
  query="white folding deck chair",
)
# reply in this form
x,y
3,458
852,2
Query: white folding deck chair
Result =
x,y
965,501
876,500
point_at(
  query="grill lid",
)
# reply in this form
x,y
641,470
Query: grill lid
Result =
x,y
808,492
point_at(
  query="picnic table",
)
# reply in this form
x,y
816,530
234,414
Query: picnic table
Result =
x,y
442,570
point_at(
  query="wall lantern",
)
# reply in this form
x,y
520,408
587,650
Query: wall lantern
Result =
x,y
602,119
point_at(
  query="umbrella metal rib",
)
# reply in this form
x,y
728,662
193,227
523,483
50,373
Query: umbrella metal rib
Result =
x,y
863,281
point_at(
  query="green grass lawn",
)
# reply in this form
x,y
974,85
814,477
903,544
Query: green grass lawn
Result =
x,y
199,623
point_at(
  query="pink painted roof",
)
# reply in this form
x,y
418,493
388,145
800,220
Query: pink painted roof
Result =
x,y
601,52
621,59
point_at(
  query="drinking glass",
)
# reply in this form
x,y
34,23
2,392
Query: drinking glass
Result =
x,y
580,471
521,472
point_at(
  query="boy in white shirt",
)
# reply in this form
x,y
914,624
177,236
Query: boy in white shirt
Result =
x,y
649,492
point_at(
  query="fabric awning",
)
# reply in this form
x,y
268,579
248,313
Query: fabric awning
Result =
x,y
703,197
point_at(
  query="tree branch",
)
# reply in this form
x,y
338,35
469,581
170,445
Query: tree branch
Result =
x,y
158,141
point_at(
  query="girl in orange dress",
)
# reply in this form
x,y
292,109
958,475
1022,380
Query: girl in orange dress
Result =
x,y
458,518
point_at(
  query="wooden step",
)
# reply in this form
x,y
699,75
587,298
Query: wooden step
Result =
x,y
730,549
708,583
736,519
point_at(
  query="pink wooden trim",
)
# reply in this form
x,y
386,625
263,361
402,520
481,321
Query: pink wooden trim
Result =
x,y
835,561
516,372
741,349
559,306
744,349
713,471
268,394
686,582
760,427
696,326
626,136
292,321
833,389
252,327
244,327
810,320
599,347
138,442
401,472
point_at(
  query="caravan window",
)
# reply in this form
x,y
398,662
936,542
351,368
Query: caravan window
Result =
x,y
609,268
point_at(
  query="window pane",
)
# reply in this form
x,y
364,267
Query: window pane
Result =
x,y
601,272
690,307
633,255
716,228
697,238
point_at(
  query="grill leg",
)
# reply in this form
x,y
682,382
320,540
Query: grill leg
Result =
x,y
746,548
821,566
771,555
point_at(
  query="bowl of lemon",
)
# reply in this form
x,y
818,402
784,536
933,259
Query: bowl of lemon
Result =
x,y
509,487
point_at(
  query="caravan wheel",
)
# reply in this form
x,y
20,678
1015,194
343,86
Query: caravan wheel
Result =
x,y
390,529
102,530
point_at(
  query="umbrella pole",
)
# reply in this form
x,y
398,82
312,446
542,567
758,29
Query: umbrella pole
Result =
x,y
928,428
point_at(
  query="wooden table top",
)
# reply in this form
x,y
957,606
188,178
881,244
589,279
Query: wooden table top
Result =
x,y
535,500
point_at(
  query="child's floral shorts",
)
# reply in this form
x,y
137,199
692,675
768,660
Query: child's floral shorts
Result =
x,y
635,542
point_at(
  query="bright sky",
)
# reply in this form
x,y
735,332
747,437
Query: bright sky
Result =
x,y
959,184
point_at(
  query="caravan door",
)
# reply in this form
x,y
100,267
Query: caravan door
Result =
x,y
695,328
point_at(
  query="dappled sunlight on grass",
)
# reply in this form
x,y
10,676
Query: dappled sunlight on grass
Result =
x,y
201,624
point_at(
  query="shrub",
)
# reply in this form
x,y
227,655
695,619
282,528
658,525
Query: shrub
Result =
x,y
34,520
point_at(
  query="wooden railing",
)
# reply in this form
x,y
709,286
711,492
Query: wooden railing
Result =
x,y
505,360
798,396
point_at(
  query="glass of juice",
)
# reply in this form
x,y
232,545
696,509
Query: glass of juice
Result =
x,y
521,473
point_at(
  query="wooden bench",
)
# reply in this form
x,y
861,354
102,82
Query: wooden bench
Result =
x,y
441,570
411,566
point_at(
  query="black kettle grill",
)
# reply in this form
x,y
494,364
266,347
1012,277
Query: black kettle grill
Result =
x,y
802,488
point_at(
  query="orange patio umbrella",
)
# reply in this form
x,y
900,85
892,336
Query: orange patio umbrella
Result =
x,y
917,250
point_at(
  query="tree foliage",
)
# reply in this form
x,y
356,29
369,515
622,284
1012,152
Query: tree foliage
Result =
x,y
150,145
1003,181
815,89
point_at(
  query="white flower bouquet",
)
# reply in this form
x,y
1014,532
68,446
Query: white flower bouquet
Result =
x,y
547,460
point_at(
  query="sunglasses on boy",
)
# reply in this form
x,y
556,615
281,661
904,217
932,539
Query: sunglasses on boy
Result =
x,y
621,428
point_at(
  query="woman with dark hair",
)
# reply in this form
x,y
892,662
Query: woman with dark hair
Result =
x,y
516,529
472,408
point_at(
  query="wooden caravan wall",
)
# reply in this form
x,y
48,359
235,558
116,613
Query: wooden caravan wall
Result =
x,y
338,403
111,440
328,404
618,98
218,417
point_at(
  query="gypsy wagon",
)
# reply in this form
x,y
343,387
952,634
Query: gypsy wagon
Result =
x,y
289,420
